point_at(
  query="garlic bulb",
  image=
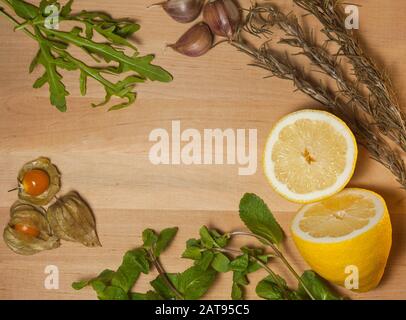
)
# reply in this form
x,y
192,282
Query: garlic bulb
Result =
x,y
195,42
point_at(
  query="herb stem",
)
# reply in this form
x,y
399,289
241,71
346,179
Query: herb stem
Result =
x,y
17,24
279,254
164,275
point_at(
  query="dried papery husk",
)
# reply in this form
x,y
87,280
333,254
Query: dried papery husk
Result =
x,y
72,219
44,164
23,213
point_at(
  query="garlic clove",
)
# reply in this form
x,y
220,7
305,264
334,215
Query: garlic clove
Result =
x,y
195,42
182,11
223,17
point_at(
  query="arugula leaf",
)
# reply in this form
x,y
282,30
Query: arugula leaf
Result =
x,y
56,87
141,65
259,219
220,262
194,282
165,237
54,45
66,9
317,287
24,9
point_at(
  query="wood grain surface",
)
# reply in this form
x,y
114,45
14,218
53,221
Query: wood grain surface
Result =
x,y
104,155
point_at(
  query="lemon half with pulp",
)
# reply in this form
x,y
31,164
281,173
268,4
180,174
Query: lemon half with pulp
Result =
x,y
346,238
310,155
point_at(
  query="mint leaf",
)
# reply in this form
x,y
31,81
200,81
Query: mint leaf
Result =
x,y
240,263
150,295
194,282
78,285
164,239
240,278
113,293
259,219
206,238
269,290
193,253
317,287
220,262
237,292
274,287
149,237
205,261
104,277
162,288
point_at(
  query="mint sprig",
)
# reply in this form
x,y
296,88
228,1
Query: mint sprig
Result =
x,y
211,254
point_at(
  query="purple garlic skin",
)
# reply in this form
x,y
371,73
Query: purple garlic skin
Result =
x,y
223,17
195,42
183,11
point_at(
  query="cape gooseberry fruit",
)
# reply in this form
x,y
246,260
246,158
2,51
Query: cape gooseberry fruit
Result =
x,y
28,231
38,181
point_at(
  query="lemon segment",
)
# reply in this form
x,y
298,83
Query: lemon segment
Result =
x,y
310,155
350,230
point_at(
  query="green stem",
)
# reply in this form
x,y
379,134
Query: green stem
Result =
x,y
261,263
164,275
17,24
279,254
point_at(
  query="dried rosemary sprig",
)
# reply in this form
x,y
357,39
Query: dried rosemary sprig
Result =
x,y
384,107
280,66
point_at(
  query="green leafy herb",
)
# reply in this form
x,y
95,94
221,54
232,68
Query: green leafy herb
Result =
x,y
53,52
212,255
195,282
164,239
221,263
259,219
317,286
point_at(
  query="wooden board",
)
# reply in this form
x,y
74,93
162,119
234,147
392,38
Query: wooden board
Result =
x,y
104,155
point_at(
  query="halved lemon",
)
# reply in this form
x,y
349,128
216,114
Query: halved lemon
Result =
x,y
310,155
346,238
